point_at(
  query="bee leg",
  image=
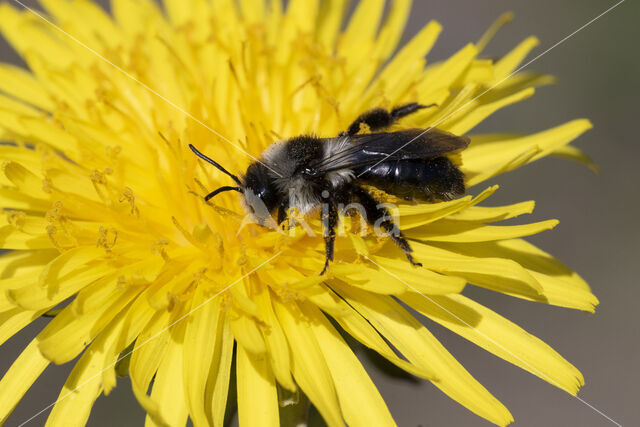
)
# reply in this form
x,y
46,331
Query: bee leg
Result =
x,y
329,223
379,215
404,110
380,118
283,212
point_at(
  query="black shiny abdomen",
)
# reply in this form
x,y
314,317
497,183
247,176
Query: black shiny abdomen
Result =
x,y
425,180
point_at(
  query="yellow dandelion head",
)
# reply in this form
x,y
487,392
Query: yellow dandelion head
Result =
x,y
105,216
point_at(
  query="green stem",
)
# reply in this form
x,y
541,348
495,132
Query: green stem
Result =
x,y
294,408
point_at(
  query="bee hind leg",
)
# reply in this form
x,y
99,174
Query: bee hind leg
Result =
x,y
379,215
381,118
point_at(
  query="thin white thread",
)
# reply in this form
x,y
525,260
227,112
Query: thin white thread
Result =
x,y
497,84
545,377
168,101
148,340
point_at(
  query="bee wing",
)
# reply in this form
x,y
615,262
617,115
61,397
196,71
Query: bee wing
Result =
x,y
369,149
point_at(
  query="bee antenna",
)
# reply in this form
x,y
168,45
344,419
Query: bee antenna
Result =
x,y
221,190
217,165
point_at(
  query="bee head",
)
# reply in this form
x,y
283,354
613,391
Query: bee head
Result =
x,y
258,187
260,192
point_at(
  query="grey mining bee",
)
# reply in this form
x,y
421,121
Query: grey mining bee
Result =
x,y
306,172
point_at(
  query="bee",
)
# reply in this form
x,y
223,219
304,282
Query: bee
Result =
x,y
310,173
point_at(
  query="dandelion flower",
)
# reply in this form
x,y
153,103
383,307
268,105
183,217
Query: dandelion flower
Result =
x,y
105,221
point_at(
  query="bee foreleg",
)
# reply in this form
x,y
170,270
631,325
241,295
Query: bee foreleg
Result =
x,y
283,212
379,215
329,223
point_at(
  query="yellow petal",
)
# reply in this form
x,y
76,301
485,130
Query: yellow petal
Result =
x,y
528,256
16,263
367,278
134,15
359,328
416,216
499,336
169,378
11,238
32,225
479,71
515,162
440,76
502,20
50,134
410,54
424,280
557,291
457,231
257,394
361,28
89,21
64,276
499,274
327,300
184,13
493,214
83,386
331,16
148,352
138,316
26,33
277,346
300,18
14,199
274,18
477,159
19,378
517,83
25,180
18,268
67,263
68,333
13,320
66,12
558,284
393,28
17,82
127,328
247,333
243,300
508,63
459,104
253,10
473,118
203,339
308,365
354,387
573,153
218,384
30,159
79,393
417,344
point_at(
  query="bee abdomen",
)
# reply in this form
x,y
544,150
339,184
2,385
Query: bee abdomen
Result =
x,y
425,180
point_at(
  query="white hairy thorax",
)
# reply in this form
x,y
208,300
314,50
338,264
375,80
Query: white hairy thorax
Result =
x,y
296,186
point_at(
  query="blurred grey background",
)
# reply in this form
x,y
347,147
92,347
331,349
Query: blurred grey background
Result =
x,y
598,235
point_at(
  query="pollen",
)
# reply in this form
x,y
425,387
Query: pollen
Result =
x,y
108,236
